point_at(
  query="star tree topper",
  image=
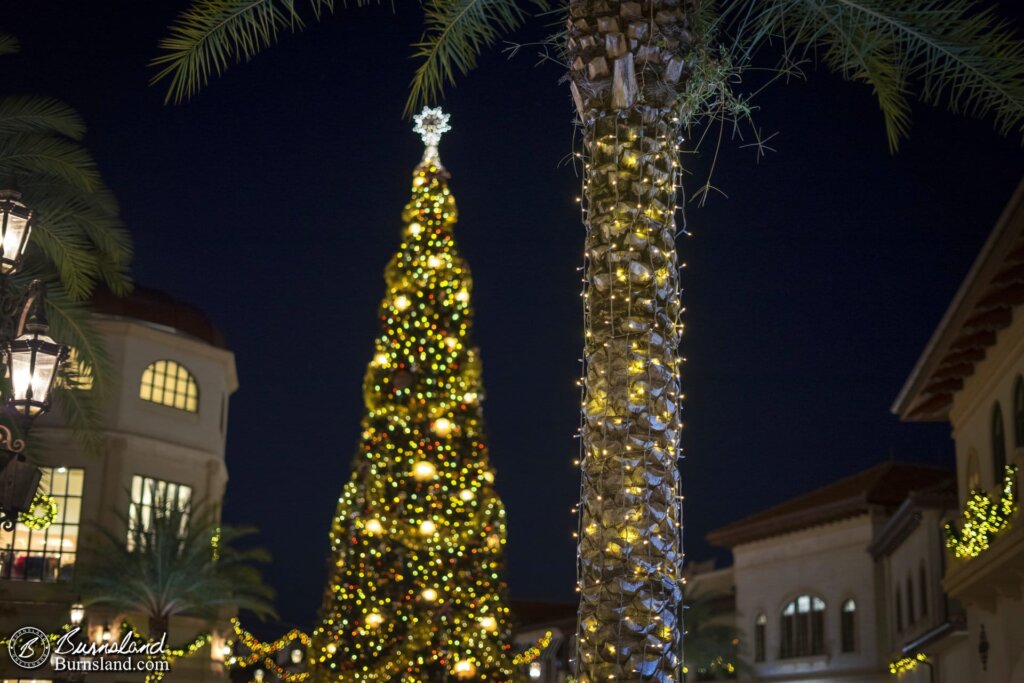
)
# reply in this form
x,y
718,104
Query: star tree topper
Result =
x,y
431,124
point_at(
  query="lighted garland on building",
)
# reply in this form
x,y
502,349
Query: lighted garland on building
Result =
x,y
903,665
983,518
41,514
171,653
264,653
415,591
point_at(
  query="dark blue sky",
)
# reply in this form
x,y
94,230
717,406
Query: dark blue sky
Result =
x,y
273,202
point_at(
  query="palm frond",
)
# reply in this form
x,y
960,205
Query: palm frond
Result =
x,y
32,114
160,563
456,33
43,155
210,35
8,44
945,52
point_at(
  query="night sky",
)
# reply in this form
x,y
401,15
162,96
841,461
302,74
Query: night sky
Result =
x,y
273,202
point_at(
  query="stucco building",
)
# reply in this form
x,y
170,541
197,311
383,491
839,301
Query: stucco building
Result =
x,y
971,375
164,429
813,602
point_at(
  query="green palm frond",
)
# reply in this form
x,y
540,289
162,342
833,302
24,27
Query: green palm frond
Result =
x,y
946,52
82,238
210,35
8,44
711,638
32,114
78,240
42,155
456,33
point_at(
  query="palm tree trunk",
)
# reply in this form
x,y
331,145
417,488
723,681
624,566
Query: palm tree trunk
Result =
x,y
628,64
157,627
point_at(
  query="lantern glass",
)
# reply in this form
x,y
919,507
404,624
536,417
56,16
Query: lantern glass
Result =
x,y
77,613
15,227
34,359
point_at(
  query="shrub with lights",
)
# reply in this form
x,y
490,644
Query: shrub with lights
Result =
x,y
415,591
983,518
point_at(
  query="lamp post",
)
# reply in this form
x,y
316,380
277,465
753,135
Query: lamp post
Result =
x,y
77,613
30,360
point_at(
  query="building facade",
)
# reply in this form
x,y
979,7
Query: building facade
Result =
x,y
813,602
164,430
971,375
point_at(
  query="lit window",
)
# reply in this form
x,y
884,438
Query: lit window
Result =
x,y
170,384
998,444
77,373
760,625
147,493
848,626
47,555
803,627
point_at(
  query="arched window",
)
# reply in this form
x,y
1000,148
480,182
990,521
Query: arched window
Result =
x,y
998,444
923,587
899,610
911,616
170,384
1018,412
760,626
848,626
803,627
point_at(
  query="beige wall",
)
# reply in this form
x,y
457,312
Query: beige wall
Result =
x,y
831,562
970,416
142,438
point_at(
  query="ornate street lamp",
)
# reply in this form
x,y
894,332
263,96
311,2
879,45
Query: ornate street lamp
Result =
x,y
77,613
30,358
15,228
33,359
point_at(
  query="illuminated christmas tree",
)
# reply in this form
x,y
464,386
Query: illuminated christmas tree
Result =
x,y
415,591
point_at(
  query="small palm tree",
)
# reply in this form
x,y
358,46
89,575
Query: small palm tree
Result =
x,y
78,240
173,560
711,639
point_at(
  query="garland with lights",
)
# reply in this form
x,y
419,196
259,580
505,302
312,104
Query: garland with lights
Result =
x,y
415,590
263,653
41,514
903,665
171,653
983,518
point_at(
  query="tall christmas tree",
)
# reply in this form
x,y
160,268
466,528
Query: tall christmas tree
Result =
x,y
415,591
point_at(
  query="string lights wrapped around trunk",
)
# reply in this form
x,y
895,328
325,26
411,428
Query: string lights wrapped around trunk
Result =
x,y
627,69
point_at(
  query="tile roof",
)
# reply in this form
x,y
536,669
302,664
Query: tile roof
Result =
x,y
883,486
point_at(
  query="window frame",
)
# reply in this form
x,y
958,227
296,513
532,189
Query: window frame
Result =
x,y
172,375
998,434
911,607
899,609
760,637
62,572
132,502
1018,412
802,629
923,592
848,626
